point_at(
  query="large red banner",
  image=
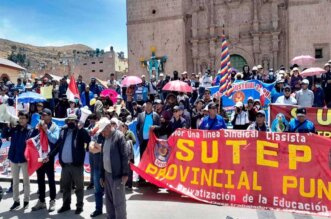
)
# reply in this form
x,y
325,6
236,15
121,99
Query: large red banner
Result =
x,y
288,171
321,117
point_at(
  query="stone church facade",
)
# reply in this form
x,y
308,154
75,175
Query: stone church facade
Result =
x,y
266,32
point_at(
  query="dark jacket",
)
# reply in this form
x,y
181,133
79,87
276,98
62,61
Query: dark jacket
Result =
x,y
18,143
141,121
118,157
80,137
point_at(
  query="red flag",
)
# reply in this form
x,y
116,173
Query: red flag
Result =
x,y
72,91
35,147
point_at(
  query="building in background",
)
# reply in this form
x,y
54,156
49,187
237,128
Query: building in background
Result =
x,y
102,65
266,32
10,70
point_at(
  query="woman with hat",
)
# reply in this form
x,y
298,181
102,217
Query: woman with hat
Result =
x,y
73,109
296,79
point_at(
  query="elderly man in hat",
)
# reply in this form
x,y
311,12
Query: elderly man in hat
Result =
x,y
71,149
115,168
305,97
286,99
53,132
213,121
301,124
260,122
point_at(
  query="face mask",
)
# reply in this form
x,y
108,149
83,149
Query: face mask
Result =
x,y
71,125
318,85
258,106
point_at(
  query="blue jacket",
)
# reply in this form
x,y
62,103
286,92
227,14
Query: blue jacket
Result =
x,y
213,124
305,127
319,97
18,144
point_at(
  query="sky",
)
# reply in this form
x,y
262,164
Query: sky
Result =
x,y
95,23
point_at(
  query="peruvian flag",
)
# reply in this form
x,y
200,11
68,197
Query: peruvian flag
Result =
x,y
36,150
72,91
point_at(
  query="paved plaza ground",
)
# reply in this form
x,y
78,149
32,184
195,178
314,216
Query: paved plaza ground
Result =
x,y
146,203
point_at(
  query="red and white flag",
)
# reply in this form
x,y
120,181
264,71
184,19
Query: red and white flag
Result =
x,y
35,151
72,91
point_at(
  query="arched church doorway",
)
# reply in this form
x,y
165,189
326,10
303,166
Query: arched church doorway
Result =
x,y
237,62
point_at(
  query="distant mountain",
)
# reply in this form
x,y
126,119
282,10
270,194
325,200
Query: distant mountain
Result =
x,y
35,57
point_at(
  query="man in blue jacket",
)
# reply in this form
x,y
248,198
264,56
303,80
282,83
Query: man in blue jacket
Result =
x,y
71,149
19,135
213,121
301,124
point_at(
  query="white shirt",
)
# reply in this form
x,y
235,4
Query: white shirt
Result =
x,y
242,118
206,81
286,101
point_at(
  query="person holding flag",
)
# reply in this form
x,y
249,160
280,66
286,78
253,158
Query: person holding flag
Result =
x,y
53,132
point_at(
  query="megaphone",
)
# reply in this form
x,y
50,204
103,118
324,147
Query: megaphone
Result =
x,y
85,112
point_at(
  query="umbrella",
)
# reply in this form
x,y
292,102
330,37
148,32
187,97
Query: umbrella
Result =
x,y
131,80
30,97
178,86
304,60
109,93
312,72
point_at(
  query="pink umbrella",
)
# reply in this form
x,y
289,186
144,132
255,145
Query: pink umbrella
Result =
x,y
179,86
109,93
304,60
312,72
131,80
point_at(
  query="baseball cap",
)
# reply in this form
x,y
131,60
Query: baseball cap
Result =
x,y
212,106
295,69
305,81
287,87
176,108
261,112
158,101
239,104
114,121
254,68
103,122
250,98
259,67
301,111
47,112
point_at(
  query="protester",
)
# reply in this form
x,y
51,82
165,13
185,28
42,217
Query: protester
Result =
x,y
301,124
52,131
213,121
130,141
19,136
319,96
286,99
71,149
115,168
145,121
260,123
305,97
326,83
239,117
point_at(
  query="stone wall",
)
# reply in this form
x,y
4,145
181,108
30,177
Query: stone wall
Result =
x,y
267,32
309,28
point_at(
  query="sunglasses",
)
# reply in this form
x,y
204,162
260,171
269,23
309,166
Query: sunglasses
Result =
x,y
287,90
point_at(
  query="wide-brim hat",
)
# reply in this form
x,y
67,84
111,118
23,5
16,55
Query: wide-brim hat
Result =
x,y
71,117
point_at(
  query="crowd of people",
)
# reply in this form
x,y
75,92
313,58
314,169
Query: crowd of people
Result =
x,y
108,139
